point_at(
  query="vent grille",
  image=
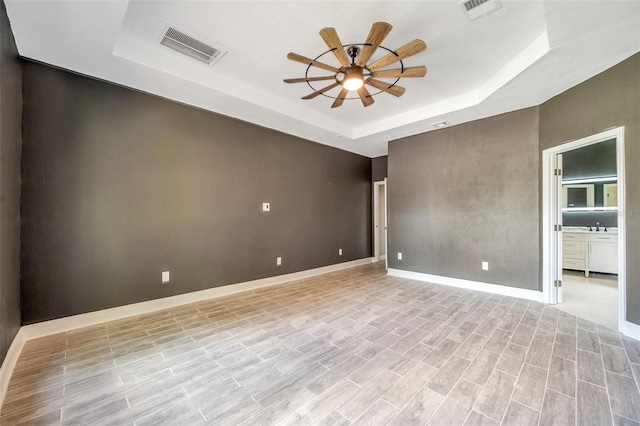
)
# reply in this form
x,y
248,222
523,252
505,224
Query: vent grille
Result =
x,y
186,44
471,4
475,9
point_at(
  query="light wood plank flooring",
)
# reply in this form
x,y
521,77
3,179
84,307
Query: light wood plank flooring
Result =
x,y
351,347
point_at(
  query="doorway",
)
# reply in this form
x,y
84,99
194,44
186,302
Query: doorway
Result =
x,y
380,221
585,258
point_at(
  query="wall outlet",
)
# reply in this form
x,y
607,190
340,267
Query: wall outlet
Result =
x,y
399,256
485,266
165,277
278,261
266,207
339,252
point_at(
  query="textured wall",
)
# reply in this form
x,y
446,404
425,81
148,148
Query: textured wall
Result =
x,y
607,100
378,168
467,194
10,147
119,186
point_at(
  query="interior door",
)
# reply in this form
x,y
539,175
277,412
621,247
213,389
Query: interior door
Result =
x,y
557,233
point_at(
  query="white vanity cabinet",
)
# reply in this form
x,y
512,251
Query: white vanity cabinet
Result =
x,y
574,253
603,253
590,252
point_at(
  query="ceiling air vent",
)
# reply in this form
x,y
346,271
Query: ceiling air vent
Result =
x,y
187,44
474,9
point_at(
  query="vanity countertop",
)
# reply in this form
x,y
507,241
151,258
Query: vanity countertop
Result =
x,y
585,230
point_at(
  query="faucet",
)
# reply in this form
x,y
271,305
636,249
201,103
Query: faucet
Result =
x,y
597,226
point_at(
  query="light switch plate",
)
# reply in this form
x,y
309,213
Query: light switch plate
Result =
x,y
266,207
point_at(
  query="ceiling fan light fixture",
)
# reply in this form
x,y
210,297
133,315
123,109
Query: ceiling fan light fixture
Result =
x,y
353,79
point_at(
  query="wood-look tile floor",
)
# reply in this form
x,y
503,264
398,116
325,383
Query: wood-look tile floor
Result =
x,y
351,347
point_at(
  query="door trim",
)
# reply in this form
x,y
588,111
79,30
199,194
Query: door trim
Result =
x,y
549,255
376,219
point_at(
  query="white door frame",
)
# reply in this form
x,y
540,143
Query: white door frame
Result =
x,y
376,219
550,258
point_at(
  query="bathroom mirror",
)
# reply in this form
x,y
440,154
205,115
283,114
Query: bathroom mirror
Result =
x,y
578,195
595,194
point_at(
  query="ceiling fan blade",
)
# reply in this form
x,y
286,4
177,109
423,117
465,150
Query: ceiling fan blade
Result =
x,y
330,36
365,96
385,87
341,97
412,48
379,31
420,71
308,61
303,79
321,91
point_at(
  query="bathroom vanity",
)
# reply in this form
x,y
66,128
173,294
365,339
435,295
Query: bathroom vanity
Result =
x,y
590,251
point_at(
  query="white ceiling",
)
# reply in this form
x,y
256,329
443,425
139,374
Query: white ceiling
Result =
x,y
519,56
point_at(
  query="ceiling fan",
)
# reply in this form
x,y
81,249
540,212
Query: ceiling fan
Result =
x,y
354,73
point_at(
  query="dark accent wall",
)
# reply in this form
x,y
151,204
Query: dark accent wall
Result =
x,y
607,100
378,168
119,186
467,194
10,147
593,161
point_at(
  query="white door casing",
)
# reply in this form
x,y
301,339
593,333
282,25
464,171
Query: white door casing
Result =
x,y
551,257
379,220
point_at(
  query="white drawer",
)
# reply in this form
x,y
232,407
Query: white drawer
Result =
x,y
572,254
572,245
573,263
603,238
568,236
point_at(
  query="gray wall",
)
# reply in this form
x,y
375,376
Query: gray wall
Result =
x,y
470,193
119,186
378,168
467,194
10,146
607,100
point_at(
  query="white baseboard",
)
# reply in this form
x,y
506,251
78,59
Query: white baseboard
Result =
x,y
630,329
471,285
9,364
46,328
